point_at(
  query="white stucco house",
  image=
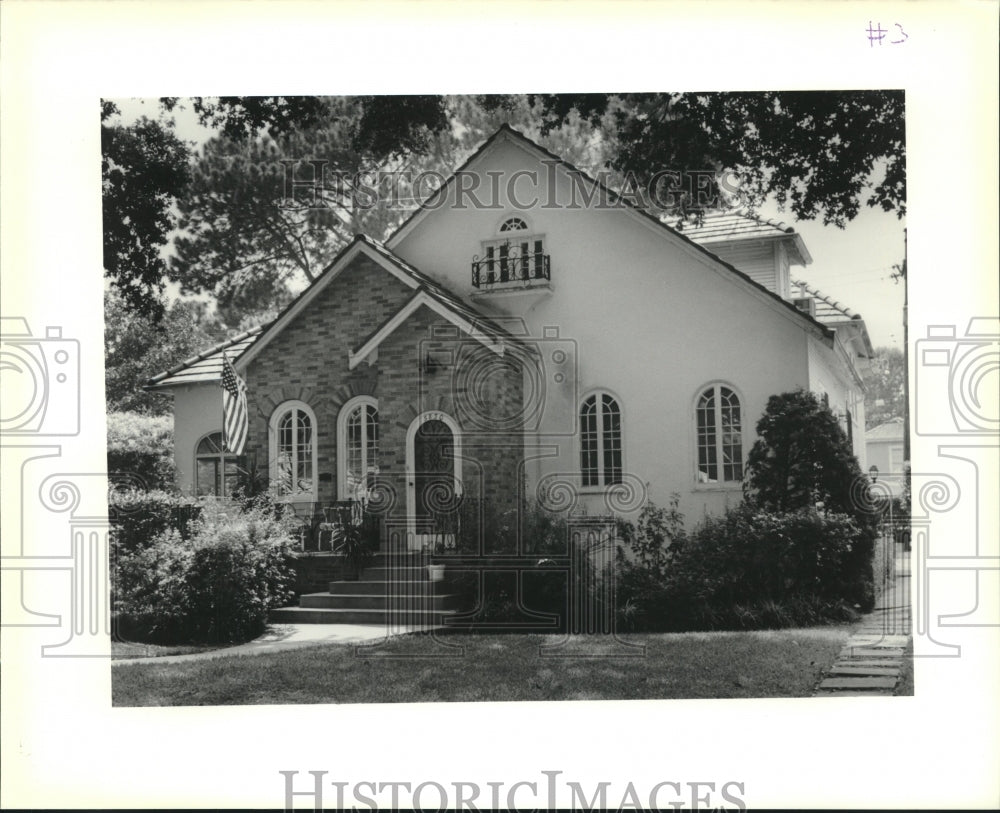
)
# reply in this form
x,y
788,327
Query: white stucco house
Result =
x,y
556,339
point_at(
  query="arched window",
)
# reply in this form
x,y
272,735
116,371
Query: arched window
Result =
x,y
216,473
357,445
720,436
600,440
513,224
293,450
513,256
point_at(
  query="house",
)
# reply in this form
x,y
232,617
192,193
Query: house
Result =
x,y
884,450
526,332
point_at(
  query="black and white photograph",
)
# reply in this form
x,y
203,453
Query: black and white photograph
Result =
x,y
401,440
518,413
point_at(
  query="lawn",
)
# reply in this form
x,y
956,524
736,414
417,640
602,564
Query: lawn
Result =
x,y
127,650
780,663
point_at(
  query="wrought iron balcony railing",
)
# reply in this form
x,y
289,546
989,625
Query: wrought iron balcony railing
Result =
x,y
509,266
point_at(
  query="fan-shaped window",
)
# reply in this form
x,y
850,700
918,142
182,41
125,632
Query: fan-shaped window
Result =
x,y
720,436
357,444
513,224
600,441
216,473
293,450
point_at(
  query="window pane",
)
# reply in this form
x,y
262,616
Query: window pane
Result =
x,y
732,446
210,444
371,449
207,478
232,475
708,471
588,442
353,452
612,440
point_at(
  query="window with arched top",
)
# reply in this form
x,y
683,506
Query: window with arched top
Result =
x,y
293,450
357,446
513,224
515,257
216,472
720,435
600,440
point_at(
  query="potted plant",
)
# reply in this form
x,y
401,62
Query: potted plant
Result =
x,y
349,539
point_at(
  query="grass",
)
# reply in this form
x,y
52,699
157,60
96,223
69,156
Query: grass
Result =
x,y
127,650
778,663
905,686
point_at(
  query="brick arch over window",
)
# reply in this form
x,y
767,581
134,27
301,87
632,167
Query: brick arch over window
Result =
x,y
292,446
600,440
719,434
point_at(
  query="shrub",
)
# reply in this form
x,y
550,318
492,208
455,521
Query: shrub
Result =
x,y
217,585
745,569
137,517
543,590
802,457
142,446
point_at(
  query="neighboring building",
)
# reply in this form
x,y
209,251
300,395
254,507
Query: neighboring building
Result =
x,y
884,445
580,352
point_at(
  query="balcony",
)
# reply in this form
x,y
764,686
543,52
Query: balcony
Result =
x,y
510,269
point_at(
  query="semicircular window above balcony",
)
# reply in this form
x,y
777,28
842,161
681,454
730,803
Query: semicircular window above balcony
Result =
x,y
515,259
513,224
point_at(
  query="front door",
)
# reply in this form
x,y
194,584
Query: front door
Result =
x,y
434,484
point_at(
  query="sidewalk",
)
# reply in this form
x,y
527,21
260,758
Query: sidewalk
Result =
x,y
279,637
871,662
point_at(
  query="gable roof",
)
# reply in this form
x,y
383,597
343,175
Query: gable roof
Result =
x,y
205,367
506,132
434,295
478,327
890,430
735,225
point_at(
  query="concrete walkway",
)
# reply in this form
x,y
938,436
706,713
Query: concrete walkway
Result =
x,y
871,662
279,637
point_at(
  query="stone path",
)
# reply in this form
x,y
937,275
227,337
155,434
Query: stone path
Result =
x,y
871,662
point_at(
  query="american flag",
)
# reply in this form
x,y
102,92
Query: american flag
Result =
x,y
234,408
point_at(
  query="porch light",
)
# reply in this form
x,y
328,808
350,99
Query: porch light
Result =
x,y
873,473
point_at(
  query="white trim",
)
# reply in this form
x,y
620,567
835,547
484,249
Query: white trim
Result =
x,y
601,486
342,417
314,290
404,313
272,450
411,485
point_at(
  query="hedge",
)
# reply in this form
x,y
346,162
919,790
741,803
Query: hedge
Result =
x,y
137,517
744,569
216,585
142,447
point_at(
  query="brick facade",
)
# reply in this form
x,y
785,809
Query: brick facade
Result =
x,y
308,361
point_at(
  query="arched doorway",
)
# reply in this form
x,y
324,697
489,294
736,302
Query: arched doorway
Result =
x,y
434,477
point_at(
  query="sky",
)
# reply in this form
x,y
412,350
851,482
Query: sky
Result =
x,y
853,265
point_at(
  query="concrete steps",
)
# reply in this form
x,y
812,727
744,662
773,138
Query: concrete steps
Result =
x,y
375,601
381,618
394,591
